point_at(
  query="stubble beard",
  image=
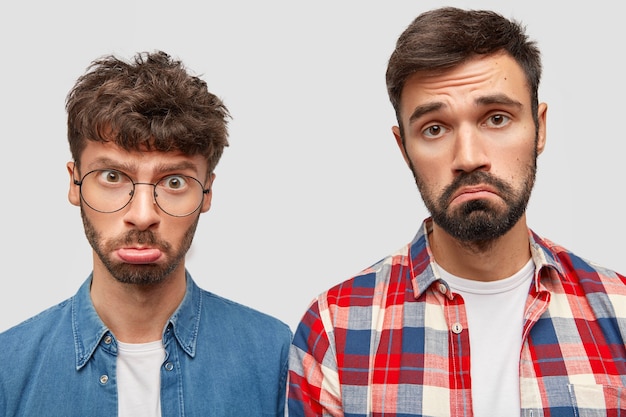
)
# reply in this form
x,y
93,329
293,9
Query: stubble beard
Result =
x,y
147,274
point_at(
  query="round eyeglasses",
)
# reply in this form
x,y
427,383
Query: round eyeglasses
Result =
x,y
109,190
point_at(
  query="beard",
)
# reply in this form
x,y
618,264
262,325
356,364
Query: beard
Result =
x,y
479,221
132,273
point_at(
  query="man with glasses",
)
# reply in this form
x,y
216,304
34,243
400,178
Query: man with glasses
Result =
x,y
140,338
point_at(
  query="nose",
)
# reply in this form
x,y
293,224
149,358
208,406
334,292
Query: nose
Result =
x,y
470,151
143,212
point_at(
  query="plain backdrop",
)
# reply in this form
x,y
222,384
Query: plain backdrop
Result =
x,y
313,188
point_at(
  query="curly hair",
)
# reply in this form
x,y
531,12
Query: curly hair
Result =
x,y
443,38
149,103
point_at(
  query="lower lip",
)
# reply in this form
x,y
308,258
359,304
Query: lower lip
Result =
x,y
462,198
139,256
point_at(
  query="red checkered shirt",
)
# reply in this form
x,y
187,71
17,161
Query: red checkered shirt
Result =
x,y
394,341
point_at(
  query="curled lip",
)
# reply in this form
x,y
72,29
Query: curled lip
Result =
x,y
473,189
139,254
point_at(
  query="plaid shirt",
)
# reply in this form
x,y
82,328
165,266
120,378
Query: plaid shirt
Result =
x,y
393,341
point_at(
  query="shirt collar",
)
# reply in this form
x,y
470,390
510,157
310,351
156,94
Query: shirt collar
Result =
x,y
90,332
424,271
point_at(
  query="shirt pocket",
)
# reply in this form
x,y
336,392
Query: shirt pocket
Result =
x,y
598,400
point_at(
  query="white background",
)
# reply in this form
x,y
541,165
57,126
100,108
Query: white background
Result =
x,y
312,188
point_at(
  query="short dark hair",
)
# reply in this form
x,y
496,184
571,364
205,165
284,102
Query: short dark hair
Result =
x,y
150,102
443,38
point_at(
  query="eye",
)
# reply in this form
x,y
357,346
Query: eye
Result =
x,y
434,131
174,183
498,120
109,176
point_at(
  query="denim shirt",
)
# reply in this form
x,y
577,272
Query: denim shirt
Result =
x,y
222,359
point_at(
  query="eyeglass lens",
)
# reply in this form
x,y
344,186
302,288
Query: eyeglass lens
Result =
x,y
108,191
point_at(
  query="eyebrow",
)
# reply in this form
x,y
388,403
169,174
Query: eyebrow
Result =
x,y
420,111
178,166
110,163
501,99
498,99
131,167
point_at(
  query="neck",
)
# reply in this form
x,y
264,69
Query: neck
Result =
x,y
482,261
136,313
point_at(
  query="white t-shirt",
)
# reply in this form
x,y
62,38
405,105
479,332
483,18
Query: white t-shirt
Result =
x,y
495,315
139,379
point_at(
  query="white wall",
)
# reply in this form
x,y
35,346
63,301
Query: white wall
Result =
x,y
312,188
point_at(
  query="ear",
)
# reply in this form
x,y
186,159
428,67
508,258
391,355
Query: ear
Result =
x,y
206,203
74,192
542,112
400,143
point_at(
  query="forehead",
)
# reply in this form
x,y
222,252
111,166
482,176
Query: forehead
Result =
x,y
479,76
98,155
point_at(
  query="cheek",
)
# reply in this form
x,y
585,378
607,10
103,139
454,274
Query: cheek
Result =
x,y
430,168
430,156
514,163
430,182
174,229
105,225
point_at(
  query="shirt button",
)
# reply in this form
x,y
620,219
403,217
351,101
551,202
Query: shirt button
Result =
x,y
104,379
107,339
457,328
169,366
442,288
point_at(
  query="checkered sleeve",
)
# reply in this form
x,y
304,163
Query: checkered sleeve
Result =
x,y
313,379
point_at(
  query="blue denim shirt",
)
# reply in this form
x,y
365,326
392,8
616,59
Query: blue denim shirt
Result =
x,y
222,359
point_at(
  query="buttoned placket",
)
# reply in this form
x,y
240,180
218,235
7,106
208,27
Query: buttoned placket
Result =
x,y
459,345
172,395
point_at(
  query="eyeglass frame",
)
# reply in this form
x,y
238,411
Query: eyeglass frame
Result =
x,y
205,191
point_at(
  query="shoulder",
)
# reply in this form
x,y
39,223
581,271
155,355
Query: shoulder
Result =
x,y
232,314
371,283
42,335
576,267
43,323
360,298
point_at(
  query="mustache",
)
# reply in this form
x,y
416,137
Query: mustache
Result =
x,y
142,237
475,178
